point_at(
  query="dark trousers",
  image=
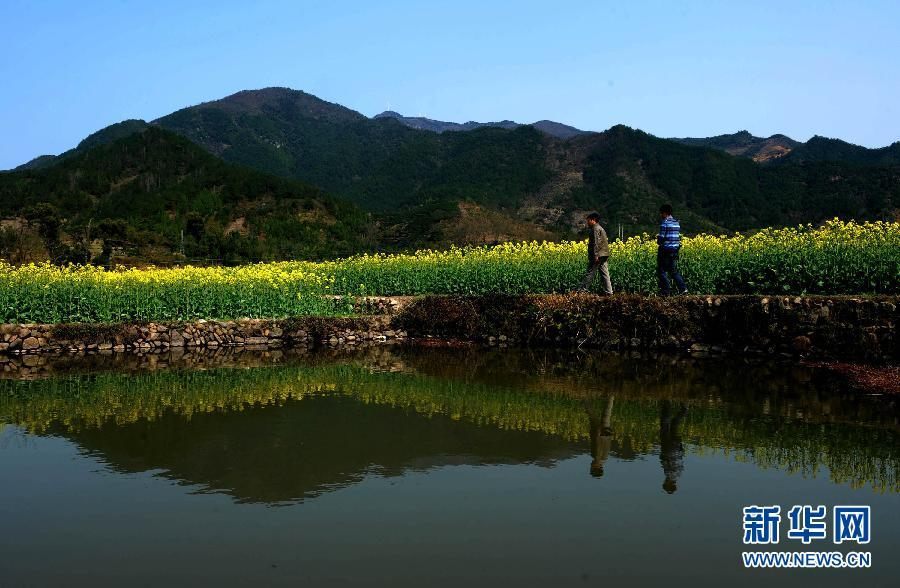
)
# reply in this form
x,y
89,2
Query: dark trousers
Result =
x,y
667,265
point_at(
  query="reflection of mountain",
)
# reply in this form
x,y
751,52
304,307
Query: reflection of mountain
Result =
x,y
306,447
770,415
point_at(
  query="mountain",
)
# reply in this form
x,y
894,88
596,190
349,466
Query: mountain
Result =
x,y
419,180
39,162
102,137
558,130
554,129
782,149
109,134
415,179
744,144
633,170
411,187
153,194
825,149
439,126
291,134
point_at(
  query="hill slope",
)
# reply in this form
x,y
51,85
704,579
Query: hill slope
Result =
x,y
439,126
835,150
415,178
744,144
388,167
143,191
490,183
629,171
783,149
105,135
552,128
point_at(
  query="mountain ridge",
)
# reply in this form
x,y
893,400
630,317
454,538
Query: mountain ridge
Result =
x,y
424,188
552,128
741,143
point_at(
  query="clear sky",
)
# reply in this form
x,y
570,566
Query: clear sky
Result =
x,y
672,68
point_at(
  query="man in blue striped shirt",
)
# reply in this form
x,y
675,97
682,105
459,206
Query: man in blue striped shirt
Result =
x,y
669,243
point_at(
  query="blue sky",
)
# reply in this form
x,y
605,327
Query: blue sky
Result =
x,y
669,68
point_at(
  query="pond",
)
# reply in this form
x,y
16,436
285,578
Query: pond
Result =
x,y
429,467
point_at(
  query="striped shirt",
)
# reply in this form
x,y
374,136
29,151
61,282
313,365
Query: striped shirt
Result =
x,y
669,237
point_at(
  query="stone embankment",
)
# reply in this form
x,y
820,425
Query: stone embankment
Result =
x,y
207,334
861,328
372,327
807,326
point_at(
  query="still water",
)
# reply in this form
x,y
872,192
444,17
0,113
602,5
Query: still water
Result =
x,y
417,467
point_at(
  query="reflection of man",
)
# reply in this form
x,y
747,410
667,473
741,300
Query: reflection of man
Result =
x,y
601,436
671,449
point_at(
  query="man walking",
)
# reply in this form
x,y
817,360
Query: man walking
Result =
x,y
598,255
669,244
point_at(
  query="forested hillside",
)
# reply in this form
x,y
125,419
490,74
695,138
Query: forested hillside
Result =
x,y
156,196
532,177
380,184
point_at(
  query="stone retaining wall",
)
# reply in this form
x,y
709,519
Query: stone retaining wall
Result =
x,y
809,326
828,327
309,332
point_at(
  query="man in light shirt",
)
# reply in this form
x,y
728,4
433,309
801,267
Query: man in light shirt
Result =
x,y
598,255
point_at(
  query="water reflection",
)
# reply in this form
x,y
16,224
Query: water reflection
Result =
x,y
671,449
601,434
295,426
303,448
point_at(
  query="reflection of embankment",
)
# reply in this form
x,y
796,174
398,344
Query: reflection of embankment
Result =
x,y
37,367
754,414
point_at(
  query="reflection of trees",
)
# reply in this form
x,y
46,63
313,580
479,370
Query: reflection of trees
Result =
x,y
791,429
306,448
